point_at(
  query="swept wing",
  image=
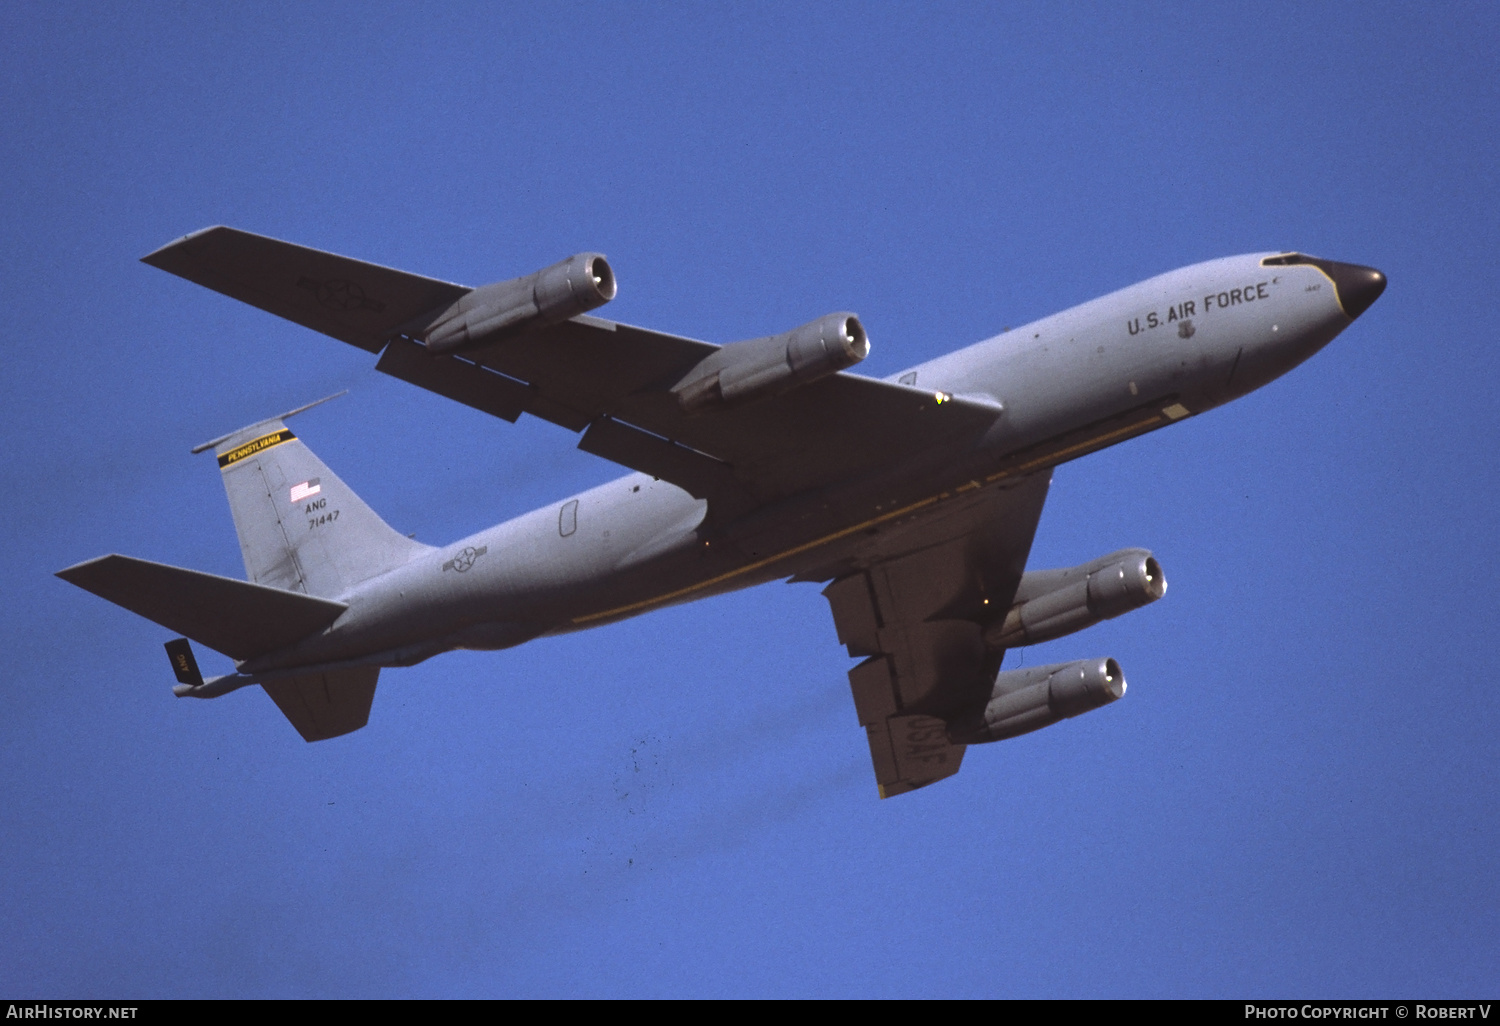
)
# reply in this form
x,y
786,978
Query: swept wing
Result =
x,y
914,609
610,381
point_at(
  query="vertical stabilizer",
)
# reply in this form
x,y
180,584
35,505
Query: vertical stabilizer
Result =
x,y
300,527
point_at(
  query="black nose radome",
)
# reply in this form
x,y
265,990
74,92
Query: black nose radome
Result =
x,y
1356,286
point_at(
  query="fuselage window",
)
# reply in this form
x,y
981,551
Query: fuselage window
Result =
x,y
567,518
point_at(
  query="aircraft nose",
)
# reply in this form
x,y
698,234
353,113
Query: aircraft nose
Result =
x,y
1357,286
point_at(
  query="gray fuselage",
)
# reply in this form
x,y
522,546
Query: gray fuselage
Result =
x,y
1072,383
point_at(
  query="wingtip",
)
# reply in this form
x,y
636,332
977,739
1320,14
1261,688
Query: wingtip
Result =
x,y
154,258
67,573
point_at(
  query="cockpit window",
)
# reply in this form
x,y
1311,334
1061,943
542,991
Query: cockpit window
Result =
x,y
1287,260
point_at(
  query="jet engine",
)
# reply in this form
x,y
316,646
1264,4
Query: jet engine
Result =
x,y
493,312
1052,603
762,367
1037,697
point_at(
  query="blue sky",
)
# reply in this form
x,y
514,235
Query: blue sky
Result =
x,y
1296,797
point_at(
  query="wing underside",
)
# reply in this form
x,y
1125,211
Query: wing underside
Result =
x,y
915,612
609,381
356,302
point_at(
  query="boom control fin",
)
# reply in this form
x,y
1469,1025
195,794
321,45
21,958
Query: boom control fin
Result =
x,y
180,652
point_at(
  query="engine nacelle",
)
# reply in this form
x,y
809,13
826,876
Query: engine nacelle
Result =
x,y
744,371
1052,603
493,312
1037,697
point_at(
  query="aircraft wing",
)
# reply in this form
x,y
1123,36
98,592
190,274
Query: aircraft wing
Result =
x,y
914,606
612,382
355,302
608,380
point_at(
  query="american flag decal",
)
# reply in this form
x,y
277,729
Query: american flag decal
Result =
x,y
306,490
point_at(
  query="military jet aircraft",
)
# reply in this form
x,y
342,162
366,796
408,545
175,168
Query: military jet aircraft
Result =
x,y
914,498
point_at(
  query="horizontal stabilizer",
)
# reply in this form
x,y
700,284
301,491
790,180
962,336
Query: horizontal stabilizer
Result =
x,y
324,705
355,302
239,619
279,421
